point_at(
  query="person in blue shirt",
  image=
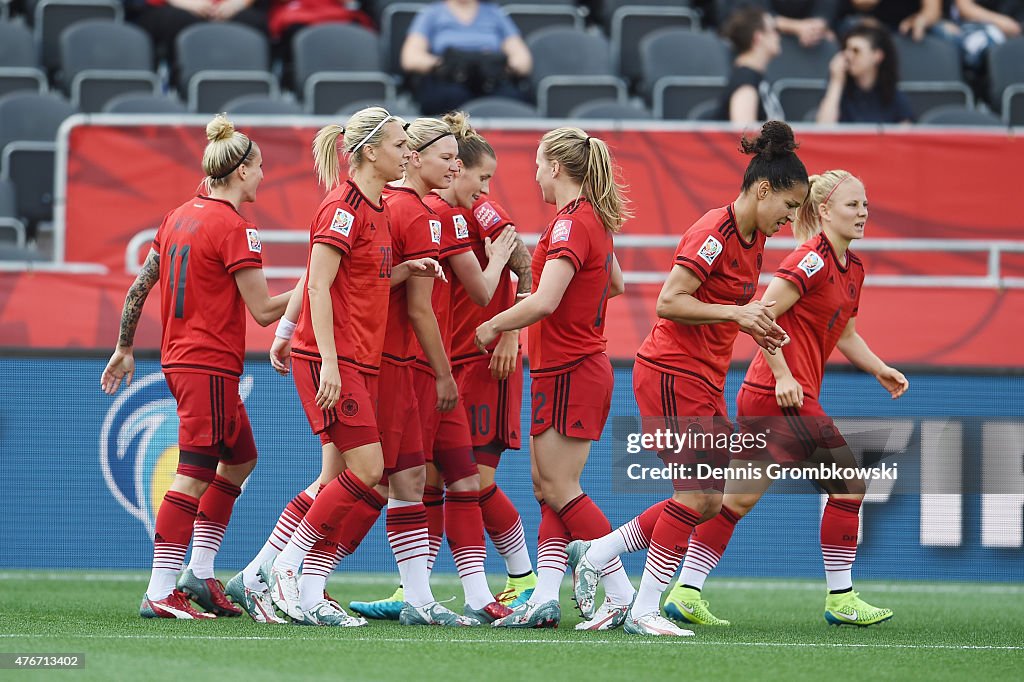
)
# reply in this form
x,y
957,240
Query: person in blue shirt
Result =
x,y
863,79
461,49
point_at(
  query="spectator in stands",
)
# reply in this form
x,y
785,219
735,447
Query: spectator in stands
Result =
x,y
461,49
984,23
910,17
863,79
165,19
288,17
755,41
808,20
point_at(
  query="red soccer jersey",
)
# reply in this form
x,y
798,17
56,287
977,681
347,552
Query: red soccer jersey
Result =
x,y
829,297
202,243
575,330
728,268
415,233
454,240
351,223
488,219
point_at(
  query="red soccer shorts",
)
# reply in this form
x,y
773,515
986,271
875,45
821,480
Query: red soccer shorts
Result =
x,y
575,403
494,408
399,419
792,434
210,414
351,423
686,406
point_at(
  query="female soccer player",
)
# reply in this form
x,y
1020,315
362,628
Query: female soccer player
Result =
x,y
574,274
817,293
680,369
337,348
208,259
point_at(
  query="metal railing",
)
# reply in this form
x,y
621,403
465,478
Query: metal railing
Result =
x,y
992,279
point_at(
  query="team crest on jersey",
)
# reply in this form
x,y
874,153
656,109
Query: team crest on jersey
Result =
x,y
811,263
486,215
435,231
461,227
255,245
560,232
139,445
710,250
342,222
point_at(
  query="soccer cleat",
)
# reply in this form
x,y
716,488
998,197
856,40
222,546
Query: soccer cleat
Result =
x,y
284,589
174,605
433,614
608,617
584,577
546,615
487,614
330,614
516,589
258,605
208,593
653,624
382,609
685,605
849,609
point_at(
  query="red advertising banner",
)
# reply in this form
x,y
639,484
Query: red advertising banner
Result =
x,y
121,180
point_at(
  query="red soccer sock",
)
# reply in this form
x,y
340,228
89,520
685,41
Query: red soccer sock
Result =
x,y
584,519
839,526
211,523
552,537
358,523
464,525
707,547
433,500
174,522
505,527
668,545
289,520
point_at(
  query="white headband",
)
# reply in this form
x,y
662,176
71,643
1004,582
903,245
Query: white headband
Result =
x,y
372,132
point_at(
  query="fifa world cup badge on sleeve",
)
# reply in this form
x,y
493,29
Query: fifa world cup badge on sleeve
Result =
x,y
255,245
342,222
811,263
710,250
435,231
461,227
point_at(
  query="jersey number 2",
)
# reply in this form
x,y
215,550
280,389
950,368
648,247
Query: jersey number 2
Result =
x,y
177,282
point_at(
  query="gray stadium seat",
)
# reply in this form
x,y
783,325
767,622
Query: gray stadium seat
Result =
x,y
335,64
402,109
218,62
606,9
530,17
132,103
259,104
571,67
682,69
931,73
395,20
705,111
1005,70
11,226
499,107
103,59
377,8
53,16
28,133
19,66
799,96
797,61
1013,104
630,24
955,115
610,109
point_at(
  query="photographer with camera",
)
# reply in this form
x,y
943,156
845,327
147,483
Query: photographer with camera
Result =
x,y
462,49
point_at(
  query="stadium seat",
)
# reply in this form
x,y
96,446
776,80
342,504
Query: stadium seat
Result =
x,y
53,16
102,59
610,109
705,111
218,62
931,73
530,17
499,107
797,61
395,20
19,67
12,228
1006,70
335,64
132,103
799,96
630,24
401,108
682,69
571,67
605,9
260,104
377,8
955,115
1013,104
28,133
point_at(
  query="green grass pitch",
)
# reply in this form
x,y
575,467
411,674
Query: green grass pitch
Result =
x,y
941,631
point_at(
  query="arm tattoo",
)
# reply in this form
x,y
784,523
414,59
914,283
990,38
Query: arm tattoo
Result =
x,y
519,263
137,298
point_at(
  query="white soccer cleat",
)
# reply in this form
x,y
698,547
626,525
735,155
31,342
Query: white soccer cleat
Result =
x,y
653,624
329,613
284,590
607,617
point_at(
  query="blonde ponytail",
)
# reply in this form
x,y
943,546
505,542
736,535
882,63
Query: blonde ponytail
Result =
x,y
808,216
